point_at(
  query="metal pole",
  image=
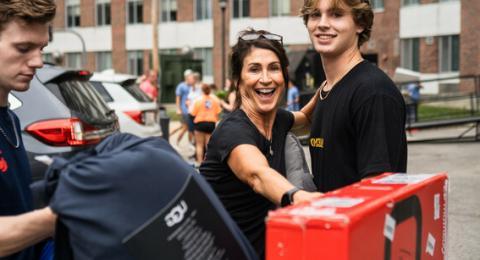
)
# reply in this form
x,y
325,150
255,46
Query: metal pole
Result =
x,y
223,5
472,104
155,52
84,49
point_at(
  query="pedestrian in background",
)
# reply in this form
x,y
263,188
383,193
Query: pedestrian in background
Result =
x,y
359,124
181,92
149,85
228,104
293,97
24,27
414,98
245,159
195,91
205,111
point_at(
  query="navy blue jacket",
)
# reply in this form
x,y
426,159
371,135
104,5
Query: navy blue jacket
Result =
x,y
15,175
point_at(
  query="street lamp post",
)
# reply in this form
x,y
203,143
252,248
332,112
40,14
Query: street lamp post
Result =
x,y
223,6
82,41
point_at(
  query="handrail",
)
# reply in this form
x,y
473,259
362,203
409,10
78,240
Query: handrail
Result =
x,y
438,79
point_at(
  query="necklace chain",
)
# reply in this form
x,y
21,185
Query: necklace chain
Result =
x,y
321,90
270,147
17,139
324,84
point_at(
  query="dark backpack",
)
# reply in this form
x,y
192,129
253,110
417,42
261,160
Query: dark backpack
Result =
x,y
132,198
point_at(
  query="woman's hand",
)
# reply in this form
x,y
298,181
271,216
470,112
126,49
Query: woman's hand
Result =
x,y
302,196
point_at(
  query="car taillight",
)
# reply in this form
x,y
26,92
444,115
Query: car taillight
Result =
x,y
136,115
84,73
65,132
143,117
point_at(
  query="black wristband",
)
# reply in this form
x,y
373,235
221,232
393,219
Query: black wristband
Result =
x,y
287,197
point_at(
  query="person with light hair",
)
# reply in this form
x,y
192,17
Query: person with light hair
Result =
x,y
358,128
181,92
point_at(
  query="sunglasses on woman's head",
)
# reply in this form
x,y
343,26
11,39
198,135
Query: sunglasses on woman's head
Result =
x,y
268,36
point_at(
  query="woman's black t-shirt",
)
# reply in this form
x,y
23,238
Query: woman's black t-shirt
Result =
x,y
246,207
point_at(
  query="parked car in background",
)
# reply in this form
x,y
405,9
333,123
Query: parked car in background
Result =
x,y
137,113
60,115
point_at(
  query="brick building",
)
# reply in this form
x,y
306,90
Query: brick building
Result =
x,y
433,37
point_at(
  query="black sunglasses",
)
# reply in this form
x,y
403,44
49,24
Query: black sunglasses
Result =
x,y
257,35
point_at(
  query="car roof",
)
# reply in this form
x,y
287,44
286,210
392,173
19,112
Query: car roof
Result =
x,y
111,77
50,72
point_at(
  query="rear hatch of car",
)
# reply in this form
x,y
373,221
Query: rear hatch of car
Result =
x,y
91,119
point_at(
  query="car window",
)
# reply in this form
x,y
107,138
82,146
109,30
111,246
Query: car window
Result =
x,y
81,97
102,91
137,93
14,102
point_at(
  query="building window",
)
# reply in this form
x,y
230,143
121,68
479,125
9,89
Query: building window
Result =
x,y
204,54
73,60
377,4
168,10
135,11
448,53
410,2
241,8
73,13
135,62
203,9
279,7
104,60
103,12
410,54
173,51
47,57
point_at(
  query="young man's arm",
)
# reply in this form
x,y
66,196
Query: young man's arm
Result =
x,y
21,231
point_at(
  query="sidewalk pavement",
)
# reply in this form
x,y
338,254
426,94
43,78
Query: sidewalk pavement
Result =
x,y
184,148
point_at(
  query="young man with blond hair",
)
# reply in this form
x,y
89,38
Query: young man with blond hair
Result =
x,y
358,126
24,26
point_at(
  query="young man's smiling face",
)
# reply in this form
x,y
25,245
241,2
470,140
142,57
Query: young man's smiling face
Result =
x,y
332,29
21,46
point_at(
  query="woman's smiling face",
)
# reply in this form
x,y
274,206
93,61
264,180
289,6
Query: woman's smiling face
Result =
x,y
261,81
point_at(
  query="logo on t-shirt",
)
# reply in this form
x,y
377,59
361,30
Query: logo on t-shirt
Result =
x,y
3,164
316,142
208,104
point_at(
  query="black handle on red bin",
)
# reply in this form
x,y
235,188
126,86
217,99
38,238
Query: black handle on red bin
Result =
x,y
402,211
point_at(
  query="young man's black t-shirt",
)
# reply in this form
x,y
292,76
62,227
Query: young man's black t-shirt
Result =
x,y
358,129
15,175
246,207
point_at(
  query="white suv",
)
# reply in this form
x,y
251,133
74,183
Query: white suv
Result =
x,y
137,113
